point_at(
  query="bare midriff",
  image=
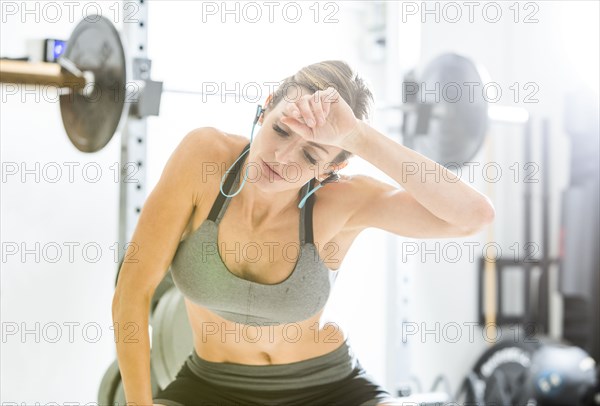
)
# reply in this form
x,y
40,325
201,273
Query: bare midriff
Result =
x,y
219,340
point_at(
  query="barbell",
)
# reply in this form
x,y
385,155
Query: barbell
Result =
x,y
96,84
98,93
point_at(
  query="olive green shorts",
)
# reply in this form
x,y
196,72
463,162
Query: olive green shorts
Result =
x,y
335,378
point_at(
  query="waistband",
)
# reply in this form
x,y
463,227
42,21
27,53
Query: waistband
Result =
x,y
327,368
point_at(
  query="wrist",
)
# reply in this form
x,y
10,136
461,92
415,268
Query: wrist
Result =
x,y
353,142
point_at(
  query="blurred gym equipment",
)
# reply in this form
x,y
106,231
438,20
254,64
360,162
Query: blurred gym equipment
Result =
x,y
442,118
169,350
537,370
541,372
445,111
111,390
579,282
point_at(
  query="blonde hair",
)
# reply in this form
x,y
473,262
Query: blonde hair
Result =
x,y
334,73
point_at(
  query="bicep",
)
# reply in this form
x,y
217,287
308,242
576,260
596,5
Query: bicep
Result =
x,y
164,216
395,210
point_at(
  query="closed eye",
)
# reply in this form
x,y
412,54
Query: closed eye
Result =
x,y
280,130
284,134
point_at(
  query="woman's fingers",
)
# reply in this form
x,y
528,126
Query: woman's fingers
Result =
x,y
326,106
318,110
297,126
292,110
305,107
326,98
313,109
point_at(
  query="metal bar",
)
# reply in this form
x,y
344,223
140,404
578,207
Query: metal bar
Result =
x,y
38,73
500,316
496,113
397,360
527,135
133,137
543,301
480,298
199,93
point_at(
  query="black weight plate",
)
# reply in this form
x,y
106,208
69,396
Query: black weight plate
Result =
x,y
505,383
455,84
501,371
91,121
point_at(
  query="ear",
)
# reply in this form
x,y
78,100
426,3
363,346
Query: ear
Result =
x,y
341,165
334,168
265,106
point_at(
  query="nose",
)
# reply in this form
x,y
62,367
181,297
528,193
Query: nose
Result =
x,y
285,152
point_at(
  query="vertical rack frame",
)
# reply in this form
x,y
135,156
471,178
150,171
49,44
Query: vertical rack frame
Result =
x,y
133,173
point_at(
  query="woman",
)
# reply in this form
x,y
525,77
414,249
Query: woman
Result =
x,y
254,304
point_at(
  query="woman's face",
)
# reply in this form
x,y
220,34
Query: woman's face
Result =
x,y
293,159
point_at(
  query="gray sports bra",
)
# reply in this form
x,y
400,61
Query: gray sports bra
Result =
x,y
200,274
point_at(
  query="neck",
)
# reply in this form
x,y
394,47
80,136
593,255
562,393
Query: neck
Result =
x,y
260,207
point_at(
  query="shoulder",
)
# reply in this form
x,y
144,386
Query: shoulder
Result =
x,y
203,155
348,194
204,145
351,187
337,204
209,140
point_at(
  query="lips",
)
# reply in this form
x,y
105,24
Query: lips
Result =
x,y
271,170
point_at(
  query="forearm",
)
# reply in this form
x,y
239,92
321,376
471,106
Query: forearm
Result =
x,y
431,184
133,351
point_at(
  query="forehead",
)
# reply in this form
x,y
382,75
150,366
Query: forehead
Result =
x,y
295,95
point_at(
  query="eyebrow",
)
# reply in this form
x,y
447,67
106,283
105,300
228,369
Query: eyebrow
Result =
x,y
314,144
